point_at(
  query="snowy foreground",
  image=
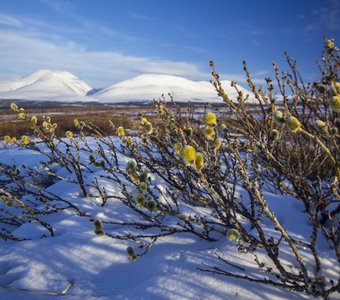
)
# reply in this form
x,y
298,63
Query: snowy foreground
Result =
x,y
98,266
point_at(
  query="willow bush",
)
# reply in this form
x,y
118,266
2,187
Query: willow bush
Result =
x,y
186,169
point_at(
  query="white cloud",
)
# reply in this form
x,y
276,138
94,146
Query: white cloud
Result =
x,y
22,53
33,44
9,20
61,6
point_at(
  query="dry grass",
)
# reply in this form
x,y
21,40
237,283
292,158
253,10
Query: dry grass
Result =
x,y
99,115
64,117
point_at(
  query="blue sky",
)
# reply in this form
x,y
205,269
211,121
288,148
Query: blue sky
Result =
x,y
106,41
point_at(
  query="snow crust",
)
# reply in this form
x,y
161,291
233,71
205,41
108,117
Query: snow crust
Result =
x,y
99,268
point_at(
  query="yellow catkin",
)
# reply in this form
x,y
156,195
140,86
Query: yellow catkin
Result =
x,y
22,116
34,120
7,139
148,128
210,119
25,140
129,140
188,154
121,131
293,124
14,107
334,103
76,123
69,134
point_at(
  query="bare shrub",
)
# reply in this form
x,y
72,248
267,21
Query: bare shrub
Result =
x,y
186,168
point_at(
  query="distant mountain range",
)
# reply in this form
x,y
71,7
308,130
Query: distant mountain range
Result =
x,y
47,85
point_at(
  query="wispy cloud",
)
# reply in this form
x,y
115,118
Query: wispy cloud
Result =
x,y
22,53
325,18
67,8
9,20
256,43
141,16
62,6
186,47
253,31
329,14
179,26
223,35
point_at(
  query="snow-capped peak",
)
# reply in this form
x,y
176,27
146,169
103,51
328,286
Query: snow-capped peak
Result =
x,y
47,82
152,86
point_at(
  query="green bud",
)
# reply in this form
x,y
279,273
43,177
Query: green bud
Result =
x,y
274,135
132,258
151,205
143,186
130,251
188,131
333,131
232,234
209,133
140,200
143,177
293,124
9,203
130,166
334,103
98,224
337,87
178,148
320,126
217,144
99,232
278,117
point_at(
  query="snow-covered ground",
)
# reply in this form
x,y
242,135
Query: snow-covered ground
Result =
x,y
98,266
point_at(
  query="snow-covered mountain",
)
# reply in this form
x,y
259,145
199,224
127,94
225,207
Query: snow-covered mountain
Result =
x,y
152,86
66,87
46,85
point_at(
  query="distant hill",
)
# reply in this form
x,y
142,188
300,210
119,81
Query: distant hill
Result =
x,y
61,86
152,86
46,85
